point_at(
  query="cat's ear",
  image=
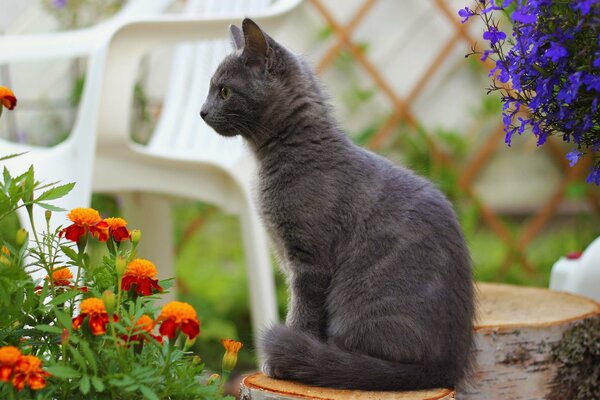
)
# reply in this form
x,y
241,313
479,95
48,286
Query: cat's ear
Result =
x,y
237,37
257,53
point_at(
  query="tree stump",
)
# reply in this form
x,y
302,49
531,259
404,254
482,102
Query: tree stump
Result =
x,y
261,387
518,334
524,338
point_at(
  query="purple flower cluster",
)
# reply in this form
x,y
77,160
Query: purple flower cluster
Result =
x,y
548,71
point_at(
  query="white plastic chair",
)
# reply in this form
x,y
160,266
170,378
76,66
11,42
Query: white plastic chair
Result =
x,y
72,159
184,158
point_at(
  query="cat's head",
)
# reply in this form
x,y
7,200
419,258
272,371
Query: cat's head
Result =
x,y
250,88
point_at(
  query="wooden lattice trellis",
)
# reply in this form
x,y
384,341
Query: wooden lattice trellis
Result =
x,y
516,244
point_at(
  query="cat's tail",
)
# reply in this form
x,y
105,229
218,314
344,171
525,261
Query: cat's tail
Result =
x,y
301,357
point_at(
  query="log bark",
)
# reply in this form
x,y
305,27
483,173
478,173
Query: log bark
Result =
x,y
518,331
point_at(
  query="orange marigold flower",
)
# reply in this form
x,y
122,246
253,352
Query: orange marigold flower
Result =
x,y
61,277
85,220
28,371
141,272
178,315
7,98
144,324
232,347
93,308
117,229
9,355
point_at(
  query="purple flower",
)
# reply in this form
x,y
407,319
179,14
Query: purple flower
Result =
x,y
553,69
556,52
518,16
573,157
465,13
594,177
583,6
591,82
59,3
493,35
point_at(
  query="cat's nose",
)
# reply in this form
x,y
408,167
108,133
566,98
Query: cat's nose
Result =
x,y
203,113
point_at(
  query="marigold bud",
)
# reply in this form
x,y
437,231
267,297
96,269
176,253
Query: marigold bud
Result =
x,y
136,235
213,378
121,265
64,337
109,300
21,237
189,343
232,347
196,360
48,215
3,256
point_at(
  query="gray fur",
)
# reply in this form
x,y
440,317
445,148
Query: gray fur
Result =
x,y
378,270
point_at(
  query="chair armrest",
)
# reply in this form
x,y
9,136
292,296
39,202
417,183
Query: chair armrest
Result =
x,y
133,39
56,45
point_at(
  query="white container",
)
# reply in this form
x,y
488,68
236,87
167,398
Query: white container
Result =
x,y
579,273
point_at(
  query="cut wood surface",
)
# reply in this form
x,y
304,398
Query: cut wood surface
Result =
x,y
503,307
517,329
261,387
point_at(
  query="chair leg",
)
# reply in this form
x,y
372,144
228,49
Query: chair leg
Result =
x,y
261,280
151,214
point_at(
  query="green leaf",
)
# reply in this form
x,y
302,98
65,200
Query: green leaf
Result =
x,y
49,329
63,318
84,385
97,383
63,297
12,156
69,252
56,192
50,207
78,358
148,393
61,371
89,356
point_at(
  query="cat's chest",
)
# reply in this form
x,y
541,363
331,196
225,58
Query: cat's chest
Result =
x,y
282,201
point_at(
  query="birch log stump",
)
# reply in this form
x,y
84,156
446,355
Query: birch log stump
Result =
x,y
524,338
518,334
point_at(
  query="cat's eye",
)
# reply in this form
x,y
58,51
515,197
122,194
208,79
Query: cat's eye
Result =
x,y
225,93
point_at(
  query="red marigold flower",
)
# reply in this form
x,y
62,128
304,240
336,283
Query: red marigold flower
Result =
x,y
85,220
9,355
93,308
141,272
232,347
28,371
7,98
178,315
117,229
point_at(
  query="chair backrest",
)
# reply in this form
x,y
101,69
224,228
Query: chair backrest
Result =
x,y
180,132
72,159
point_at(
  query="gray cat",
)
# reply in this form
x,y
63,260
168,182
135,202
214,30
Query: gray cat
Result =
x,y
379,274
